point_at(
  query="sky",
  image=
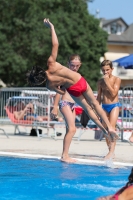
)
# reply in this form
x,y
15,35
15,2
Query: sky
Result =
x,y
110,9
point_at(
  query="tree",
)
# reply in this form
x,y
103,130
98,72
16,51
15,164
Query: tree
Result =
x,y
26,42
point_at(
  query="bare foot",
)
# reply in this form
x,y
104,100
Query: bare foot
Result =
x,y
109,156
68,160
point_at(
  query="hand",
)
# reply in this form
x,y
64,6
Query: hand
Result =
x,y
105,76
54,111
53,116
48,23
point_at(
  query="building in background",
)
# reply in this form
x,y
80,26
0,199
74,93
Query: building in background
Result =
x,y
119,44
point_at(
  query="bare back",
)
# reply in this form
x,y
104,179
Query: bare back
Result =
x,y
60,76
108,90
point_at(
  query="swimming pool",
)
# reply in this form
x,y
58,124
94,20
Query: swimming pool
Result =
x,y
50,179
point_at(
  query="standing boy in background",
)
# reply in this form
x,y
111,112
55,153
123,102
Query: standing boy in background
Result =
x,y
108,88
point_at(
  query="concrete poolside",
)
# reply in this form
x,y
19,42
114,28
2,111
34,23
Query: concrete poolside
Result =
x,y
86,148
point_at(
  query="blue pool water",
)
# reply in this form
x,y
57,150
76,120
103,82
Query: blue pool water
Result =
x,y
42,179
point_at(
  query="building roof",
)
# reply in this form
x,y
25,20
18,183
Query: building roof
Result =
x,y
126,37
129,33
105,22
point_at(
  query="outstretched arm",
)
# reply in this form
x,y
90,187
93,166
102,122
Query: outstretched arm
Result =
x,y
55,43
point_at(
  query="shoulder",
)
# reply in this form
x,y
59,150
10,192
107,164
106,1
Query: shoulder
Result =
x,y
117,79
54,66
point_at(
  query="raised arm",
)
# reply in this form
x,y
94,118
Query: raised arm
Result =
x,y
20,114
55,43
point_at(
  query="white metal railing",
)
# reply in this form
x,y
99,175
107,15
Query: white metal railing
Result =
x,y
26,107
15,99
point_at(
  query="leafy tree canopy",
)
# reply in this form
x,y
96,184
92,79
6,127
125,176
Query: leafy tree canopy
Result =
x,y
26,42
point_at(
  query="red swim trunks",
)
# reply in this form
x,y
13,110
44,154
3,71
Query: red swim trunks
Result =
x,y
78,88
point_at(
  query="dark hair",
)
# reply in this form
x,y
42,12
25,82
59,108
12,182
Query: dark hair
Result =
x,y
130,182
36,76
130,178
107,62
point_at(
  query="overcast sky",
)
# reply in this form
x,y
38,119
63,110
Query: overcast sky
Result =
x,y
110,9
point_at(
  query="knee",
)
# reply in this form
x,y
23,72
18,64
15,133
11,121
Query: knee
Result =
x,y
72,130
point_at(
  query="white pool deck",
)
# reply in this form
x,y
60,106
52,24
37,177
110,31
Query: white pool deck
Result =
x,y
87,150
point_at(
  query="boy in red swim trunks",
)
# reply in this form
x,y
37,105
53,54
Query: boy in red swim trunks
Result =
x,y
78,88
59,79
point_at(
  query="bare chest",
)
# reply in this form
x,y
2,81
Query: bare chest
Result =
x,y
105,86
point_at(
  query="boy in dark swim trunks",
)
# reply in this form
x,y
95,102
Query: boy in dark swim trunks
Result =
x,y
59,79
108,88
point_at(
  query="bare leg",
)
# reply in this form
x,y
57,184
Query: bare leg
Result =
x,y
131,138
90,112
70,131
38,118
113,116
30,117
108,142
89,96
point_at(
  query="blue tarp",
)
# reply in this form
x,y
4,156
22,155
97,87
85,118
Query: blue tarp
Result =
x,y
126,61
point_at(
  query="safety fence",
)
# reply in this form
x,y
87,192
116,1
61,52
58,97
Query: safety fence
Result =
x,y
27,107
32,106
125,121
124,126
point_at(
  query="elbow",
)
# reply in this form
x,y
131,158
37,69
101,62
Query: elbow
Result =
x,y
61,92
56,44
